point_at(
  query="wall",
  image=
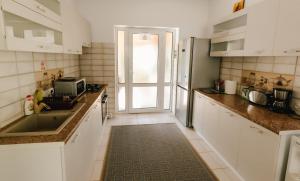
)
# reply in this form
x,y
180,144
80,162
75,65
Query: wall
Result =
x,y
189,15
289,67
97,65
18,79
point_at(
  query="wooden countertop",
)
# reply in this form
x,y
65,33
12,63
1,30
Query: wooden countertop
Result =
x,y
65,133
272,121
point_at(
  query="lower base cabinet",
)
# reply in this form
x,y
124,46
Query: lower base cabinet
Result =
x,y
250,149
80,151
57,161
258,152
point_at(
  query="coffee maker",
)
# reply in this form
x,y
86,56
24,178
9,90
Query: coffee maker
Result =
x,y
281,100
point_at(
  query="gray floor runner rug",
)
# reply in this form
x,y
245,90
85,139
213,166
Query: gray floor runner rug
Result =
x,y
157,152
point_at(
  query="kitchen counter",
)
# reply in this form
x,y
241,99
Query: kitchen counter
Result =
x,y
64,135
272,121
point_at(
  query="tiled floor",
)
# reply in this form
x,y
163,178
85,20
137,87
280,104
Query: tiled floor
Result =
x,y
209,156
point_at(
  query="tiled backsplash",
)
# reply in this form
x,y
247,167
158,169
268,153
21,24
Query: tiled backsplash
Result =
x,y
234,68
18,72
97,65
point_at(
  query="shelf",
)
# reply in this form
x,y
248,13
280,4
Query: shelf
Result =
x,y
232,53
230,32
21,44
229,38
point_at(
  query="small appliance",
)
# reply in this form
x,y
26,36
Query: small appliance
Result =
x,y
69,86
258,97
281,100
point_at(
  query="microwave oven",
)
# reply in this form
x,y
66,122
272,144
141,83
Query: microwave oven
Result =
x,y
69,86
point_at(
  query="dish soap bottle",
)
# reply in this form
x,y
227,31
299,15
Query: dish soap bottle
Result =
x,y
28,106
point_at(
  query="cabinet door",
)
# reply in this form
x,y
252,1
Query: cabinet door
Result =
x,y
211,122
261,24
258,151
71,33
229,134
198,113
287,41
85,29
74,155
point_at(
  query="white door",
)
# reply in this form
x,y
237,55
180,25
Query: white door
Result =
x,y
145,61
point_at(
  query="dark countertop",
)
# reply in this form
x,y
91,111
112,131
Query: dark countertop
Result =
x,y
272,121
65,133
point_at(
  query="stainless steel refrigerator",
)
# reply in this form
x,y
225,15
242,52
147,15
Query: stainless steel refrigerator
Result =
x,y
196,69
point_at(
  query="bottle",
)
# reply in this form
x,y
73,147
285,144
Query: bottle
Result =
x,y
28,106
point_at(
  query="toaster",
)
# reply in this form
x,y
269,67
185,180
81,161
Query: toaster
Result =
x,y
258,97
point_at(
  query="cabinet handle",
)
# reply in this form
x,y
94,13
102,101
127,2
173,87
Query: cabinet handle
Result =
x,y
75,138
252,127
292,51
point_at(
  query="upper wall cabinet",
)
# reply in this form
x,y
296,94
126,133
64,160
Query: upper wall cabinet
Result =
x,y
30,26
261,25
229,35
48,8
287,41
52,26
75,28
85,29
268,28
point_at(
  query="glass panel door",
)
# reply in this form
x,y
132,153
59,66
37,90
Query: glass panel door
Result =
x,y
145,68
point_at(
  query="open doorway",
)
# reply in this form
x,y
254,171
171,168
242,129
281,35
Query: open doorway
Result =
x,y
144,68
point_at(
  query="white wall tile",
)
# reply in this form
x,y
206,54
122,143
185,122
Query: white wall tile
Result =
x,y
27,79
7,69
27,90
284,69
298,70
7,56
269,60
250,59
226,64
236,65
264,67
286,60
24,56
51,64
9,82
9,112
9,97
249,66
297,82
25,67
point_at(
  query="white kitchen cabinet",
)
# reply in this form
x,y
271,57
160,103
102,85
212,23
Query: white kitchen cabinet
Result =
x,y
287,41
47,8
81,149
71,28
27,30
198,111
85,28
74,151
258,152
255,153
58,161
211,122
229,135
261,27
